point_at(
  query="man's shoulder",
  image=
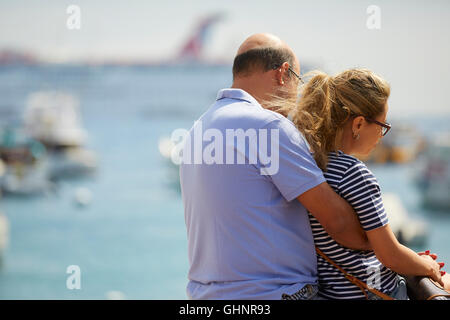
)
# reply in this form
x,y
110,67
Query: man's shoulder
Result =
x,y
244,113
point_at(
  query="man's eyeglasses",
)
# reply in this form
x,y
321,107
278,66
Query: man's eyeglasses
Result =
x,y
293,72
385,127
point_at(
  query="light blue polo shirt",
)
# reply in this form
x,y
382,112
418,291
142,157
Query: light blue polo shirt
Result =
x,y
248,236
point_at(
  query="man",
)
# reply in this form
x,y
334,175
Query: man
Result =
x,y
248,231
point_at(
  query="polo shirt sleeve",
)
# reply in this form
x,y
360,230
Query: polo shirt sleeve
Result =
x,y
297,170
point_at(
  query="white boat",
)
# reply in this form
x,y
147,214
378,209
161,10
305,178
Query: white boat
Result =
x,y
409,231
53,118
4,235
4,232
434,173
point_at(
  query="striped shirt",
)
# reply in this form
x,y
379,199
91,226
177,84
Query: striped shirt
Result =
x,y
353,181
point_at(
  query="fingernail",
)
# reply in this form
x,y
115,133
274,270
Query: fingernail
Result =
x,y
441,264
443,273
427,252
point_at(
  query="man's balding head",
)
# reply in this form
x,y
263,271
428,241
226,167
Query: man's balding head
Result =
x,y
260,40
264,67
262,52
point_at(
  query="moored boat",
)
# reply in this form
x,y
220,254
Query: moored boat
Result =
x,y
53,118
408,230
433,176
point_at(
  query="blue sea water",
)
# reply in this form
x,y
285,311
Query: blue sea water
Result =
x,y
132,237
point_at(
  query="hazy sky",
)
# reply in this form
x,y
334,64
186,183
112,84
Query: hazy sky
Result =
x,y
411,49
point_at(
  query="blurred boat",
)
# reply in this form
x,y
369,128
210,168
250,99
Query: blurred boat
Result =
x,y
409,231
73,162
53,118
165,147
24,164
21,179
401,145
433,176
4,235
82,197
4,223
115,295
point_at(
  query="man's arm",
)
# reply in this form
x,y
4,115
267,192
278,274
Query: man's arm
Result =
x,y
336,216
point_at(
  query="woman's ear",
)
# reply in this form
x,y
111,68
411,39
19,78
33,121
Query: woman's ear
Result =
x,y
357,124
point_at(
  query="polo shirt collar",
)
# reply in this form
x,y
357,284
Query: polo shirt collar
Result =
x,y
237,94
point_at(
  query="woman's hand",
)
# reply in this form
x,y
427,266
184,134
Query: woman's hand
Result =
x,y
435,272
401,259
432,255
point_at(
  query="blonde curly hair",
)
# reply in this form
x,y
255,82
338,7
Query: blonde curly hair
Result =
x,y
327,102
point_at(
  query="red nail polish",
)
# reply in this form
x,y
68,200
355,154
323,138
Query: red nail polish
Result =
x,y
427,252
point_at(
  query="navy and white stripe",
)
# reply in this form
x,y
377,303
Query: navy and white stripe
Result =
x,y
353,181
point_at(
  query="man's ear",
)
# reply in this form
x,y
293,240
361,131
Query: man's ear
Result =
x,y
281,73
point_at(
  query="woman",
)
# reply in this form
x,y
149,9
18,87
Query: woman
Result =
x,y
342,116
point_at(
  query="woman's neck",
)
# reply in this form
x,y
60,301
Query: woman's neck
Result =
x,y
345,141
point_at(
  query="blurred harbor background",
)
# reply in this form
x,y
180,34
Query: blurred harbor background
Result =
x,y
85,120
